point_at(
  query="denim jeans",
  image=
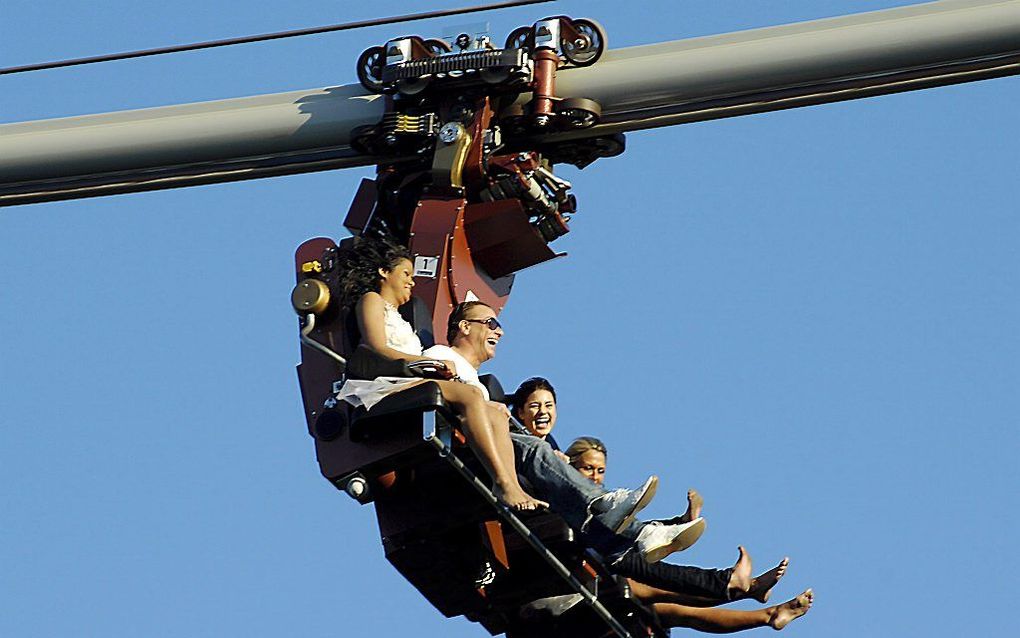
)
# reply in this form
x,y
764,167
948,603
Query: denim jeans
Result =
x,y
568,493
694,581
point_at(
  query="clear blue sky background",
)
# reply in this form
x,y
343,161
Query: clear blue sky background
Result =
x,y
811,316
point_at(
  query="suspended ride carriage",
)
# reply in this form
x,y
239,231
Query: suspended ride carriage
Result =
x,y
465,179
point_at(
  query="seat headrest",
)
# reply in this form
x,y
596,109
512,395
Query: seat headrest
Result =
x,y
416,312
495,388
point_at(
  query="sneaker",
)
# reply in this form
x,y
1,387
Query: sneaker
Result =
x,y
657,541
619,507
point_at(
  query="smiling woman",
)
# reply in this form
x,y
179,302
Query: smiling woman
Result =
x,y
378,279
534,403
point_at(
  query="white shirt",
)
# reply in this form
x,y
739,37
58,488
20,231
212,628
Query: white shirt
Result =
x,y
463,368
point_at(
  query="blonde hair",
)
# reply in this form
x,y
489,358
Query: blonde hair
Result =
x,y
584,444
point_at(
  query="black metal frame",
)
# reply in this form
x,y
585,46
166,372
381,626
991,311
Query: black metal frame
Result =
x,y
440,440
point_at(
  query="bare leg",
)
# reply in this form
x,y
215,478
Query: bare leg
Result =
x,y
694,505
714,621
505,447
500,426
762,586
725,621
478,431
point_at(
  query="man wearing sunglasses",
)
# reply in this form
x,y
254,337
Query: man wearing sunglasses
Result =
x,y
473,333
605,518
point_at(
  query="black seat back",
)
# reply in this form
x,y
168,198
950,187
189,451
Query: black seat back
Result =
x,y
495,388
416,312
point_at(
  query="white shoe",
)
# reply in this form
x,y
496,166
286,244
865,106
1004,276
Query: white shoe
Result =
x,y
619,507
656,541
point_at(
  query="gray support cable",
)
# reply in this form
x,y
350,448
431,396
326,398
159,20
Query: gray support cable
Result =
x,y
264,37
849,57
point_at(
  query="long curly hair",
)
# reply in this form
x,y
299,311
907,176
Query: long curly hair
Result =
x,y
359,265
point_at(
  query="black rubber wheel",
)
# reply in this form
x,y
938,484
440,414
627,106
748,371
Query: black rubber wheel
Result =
x,y
494,76
578,113
610,146
519,38
438,46
586,50
412,86
370,68
330,424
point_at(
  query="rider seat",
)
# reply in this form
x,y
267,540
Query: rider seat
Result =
x,y
430,518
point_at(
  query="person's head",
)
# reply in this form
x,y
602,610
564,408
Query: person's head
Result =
x,y
473,329
588,455
376,265
534,404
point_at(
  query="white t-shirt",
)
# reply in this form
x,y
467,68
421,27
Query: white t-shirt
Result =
x,y
467,372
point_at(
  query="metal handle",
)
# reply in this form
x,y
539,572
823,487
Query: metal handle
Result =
x,y
311,343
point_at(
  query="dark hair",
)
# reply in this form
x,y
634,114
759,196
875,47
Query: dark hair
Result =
x,y
584,444
458,315
527,388
359,265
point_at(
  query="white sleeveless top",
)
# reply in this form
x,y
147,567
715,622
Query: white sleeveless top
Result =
x,y
399,336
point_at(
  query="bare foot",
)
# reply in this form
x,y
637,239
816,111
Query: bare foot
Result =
x,y
694,504
762,586
740,579
517,499
791,610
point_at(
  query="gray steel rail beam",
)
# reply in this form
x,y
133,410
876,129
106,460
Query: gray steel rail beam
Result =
x,y
665,84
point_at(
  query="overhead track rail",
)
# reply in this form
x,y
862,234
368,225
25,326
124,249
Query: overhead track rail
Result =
x,y
664,84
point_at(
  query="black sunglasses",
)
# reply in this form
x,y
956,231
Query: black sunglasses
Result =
x,y
490,322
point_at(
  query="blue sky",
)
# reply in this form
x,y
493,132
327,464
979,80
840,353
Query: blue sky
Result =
x,y
810,315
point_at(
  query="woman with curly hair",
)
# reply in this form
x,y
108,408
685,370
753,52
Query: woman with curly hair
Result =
x,y
378,278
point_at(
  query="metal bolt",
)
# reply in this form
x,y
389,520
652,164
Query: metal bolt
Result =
x,y
450,132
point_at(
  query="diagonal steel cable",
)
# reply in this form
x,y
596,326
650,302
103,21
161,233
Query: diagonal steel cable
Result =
x,y
442,13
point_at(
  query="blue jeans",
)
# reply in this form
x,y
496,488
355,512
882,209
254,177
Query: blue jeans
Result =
x,y
568,493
